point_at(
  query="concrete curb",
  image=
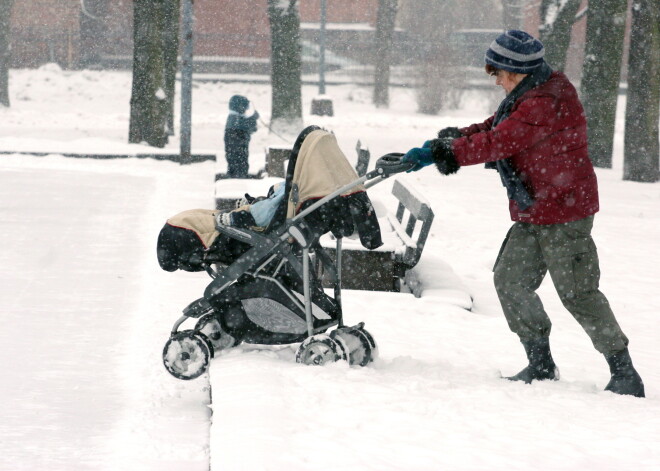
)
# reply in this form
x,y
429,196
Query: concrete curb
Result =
x,y
194,158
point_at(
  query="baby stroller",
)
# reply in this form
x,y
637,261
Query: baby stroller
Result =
x,y
265,288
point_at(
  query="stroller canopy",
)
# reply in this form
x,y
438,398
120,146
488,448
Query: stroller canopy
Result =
x,y
317,167
320,169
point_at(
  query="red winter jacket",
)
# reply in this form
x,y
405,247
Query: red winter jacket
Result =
x,y
545,137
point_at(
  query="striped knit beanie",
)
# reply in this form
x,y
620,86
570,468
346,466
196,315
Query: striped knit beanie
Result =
x,y
515,51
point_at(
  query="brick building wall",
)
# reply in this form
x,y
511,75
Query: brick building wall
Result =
x,y
59,31
45,31
230,28
340,11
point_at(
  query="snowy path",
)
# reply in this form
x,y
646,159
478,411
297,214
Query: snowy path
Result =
x,y
82,324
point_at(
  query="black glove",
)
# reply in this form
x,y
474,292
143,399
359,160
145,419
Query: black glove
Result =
x,y
443,156
246,200
453,133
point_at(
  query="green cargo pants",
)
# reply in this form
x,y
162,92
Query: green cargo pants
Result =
x,y
568,252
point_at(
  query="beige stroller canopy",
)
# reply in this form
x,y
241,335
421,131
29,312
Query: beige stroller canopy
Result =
x,y
321,168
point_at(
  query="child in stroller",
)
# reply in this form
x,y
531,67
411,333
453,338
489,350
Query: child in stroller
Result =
x,y
264,290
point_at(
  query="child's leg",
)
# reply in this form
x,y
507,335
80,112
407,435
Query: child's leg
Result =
x,y
242,163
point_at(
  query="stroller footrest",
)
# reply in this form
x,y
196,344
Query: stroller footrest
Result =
x,y
197,308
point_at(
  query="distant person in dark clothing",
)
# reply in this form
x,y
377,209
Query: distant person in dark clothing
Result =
x,y
238,130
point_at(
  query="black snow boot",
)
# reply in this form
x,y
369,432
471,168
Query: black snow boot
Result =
x,y
541,365
625,379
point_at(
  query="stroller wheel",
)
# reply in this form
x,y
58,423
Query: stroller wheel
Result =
x,y
186,355
321,349
362,348
372,344
209,325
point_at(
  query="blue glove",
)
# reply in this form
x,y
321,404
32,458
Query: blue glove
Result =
x,y
420,156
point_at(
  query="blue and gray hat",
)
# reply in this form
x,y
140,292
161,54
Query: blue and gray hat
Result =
x,y
515,51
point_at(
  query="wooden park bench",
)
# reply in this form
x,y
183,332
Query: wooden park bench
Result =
x,y
390,267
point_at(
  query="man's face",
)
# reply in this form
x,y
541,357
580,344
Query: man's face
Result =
x,y
507,80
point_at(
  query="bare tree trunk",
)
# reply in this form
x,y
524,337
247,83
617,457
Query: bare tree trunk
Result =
x,y
148,119
557,18
641,147
5,49
286,65
602,69
170,56
386,17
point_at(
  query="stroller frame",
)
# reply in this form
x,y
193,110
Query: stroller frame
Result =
x,y
264,249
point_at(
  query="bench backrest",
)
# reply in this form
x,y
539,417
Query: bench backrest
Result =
x,y
417,209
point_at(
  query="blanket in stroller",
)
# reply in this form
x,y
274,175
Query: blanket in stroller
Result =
x,y
188,238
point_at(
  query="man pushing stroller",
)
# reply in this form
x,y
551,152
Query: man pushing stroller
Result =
x,y
537,141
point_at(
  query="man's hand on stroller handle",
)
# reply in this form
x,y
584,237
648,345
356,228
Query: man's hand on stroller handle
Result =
x,y
420,157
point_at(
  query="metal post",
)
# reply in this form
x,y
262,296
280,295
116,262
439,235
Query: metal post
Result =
x,y
322,49
340,319
186,81
307,293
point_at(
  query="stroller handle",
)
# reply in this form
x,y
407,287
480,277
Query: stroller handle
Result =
x,y
393,163
388,165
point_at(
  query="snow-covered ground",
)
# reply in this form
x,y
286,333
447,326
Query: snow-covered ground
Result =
x,y
86,311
